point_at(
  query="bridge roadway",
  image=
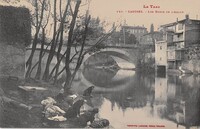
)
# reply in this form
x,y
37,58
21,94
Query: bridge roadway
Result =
x,y
127,46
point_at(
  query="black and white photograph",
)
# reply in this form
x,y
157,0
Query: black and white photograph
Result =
x,y
112,64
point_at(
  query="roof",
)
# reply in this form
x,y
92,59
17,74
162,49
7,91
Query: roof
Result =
x,y
181,21
134,27
161,42
155,32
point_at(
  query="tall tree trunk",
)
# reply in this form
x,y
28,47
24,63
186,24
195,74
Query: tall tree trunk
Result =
x,y
58,55
38,26
52,49
38,73
61,41
81,54
69,45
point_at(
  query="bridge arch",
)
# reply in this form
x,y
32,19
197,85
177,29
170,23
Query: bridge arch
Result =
x,y
114,52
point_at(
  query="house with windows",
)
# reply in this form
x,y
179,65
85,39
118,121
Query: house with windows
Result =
x,y
150,38
138,31
161,56
179,36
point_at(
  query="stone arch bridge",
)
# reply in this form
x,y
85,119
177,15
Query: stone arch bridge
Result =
x,y
127,53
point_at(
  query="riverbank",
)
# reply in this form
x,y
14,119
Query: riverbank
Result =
x,y
22,100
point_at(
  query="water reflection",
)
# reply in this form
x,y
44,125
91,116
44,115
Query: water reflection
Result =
x,y
183,103
124,98
172,101
103,76
107,78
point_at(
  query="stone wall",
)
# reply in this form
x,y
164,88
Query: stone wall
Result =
x,y
15,34
192,59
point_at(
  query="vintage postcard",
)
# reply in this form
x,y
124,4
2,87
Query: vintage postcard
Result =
x,y
121,64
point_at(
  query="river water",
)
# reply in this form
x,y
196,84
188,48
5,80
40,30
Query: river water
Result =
x,y
133,100
126,98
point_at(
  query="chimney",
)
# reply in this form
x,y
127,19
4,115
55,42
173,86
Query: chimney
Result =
x,y
187,16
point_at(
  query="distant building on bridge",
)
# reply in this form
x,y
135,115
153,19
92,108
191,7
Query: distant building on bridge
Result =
x,y
138,31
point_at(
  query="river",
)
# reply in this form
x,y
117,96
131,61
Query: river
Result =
x,y
133,100
126,98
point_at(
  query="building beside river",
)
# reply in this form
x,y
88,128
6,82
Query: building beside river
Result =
x,y
179,36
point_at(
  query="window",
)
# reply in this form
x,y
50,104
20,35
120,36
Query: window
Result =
x,y
160,47
180,26
160,58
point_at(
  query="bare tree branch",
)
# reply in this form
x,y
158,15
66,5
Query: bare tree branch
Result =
x,y
29,61
48,15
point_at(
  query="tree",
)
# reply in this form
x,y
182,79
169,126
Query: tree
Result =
x,y
53,45
131,39
152,28
38,73
152,33
95,28
78,28
38,24
118,36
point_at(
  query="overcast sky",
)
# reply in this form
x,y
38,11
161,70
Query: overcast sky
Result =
x,y
107,10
